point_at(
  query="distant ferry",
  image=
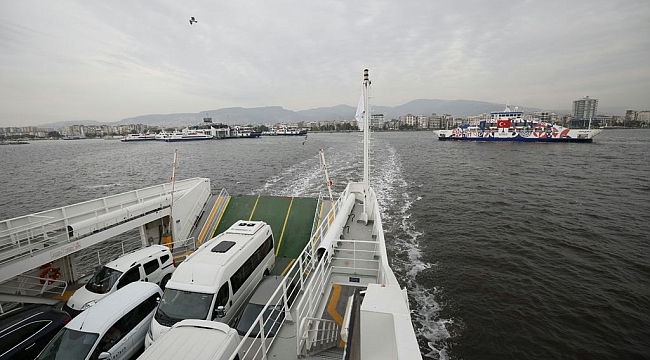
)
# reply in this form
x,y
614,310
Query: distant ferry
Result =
x,y
185,135
244,131
287,130
138,137
508,125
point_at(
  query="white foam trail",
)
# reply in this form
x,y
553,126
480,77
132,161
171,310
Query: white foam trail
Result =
x,y
344,164
388,182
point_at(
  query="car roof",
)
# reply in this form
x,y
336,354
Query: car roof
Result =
x,y
103,314
22,312
125,261
265,289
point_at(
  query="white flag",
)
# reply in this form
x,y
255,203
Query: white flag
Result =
x,y
360,112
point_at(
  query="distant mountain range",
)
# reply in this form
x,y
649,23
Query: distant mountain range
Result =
x,y
277,114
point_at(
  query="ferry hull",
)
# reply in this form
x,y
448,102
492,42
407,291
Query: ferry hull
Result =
x,y
518,139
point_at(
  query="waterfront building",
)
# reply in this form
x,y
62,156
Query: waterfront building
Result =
x,y
584,110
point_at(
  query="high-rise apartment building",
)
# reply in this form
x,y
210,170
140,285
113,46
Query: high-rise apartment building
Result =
x,y
585,108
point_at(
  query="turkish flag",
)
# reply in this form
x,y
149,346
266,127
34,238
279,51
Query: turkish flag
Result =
x,y
503,124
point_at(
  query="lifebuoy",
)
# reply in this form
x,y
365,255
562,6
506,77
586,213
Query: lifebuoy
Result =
x,y
50,274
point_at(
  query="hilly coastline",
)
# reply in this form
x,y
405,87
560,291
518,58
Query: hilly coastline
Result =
x,y
278,114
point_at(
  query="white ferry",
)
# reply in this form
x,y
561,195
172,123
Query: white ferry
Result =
x,y
286,130
186,134
138,137
338,299
509,125
244,131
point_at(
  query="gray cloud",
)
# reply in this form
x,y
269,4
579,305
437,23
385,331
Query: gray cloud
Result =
x,y
106,61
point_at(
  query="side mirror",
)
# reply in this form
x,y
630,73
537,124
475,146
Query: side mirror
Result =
x,y
220,311
104,355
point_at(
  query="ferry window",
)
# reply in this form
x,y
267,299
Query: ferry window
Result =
x,y
151,266
129,277
140,312
222,295
114,334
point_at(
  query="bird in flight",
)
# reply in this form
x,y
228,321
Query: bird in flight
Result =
x,y
193,20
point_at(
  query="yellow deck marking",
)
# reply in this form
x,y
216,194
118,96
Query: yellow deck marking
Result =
x,y
331,213
254,207
320,218
66,295
224,211
213,212
286,218
288,266
331,307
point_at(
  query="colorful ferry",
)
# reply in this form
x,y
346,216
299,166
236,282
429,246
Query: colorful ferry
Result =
x,y
509,125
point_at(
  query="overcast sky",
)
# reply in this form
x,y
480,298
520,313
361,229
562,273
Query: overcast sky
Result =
x,y
109,60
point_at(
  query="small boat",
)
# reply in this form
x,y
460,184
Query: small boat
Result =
x,y
509,125
138,137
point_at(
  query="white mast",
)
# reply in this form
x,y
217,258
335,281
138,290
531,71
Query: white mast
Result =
x,y
366,130
327,177
366,138
172,229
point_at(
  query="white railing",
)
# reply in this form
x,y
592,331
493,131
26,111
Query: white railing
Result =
x,y
364,257
23,236
25,241
34,285
319,333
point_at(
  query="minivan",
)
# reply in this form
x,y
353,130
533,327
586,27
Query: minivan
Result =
x,y
114,328
216,280
153,264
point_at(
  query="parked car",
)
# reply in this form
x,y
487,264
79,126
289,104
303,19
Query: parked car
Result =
x,y
273,316
153,264
26,330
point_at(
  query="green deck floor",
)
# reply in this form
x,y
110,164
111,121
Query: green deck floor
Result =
x,y
290,218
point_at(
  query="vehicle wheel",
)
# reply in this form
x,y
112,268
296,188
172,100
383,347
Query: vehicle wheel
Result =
x,y
164,281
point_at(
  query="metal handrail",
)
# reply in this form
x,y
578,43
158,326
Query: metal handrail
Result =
x,y
310,328
37,284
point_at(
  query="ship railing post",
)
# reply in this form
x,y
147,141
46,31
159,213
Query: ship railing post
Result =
x,y
302,272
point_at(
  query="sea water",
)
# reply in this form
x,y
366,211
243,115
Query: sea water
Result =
x,y
508,250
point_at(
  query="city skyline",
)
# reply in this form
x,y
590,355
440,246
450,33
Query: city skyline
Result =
x,y
68,61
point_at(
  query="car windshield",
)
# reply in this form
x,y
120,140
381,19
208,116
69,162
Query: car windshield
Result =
x,y
177,305
272,318
69,344
103,281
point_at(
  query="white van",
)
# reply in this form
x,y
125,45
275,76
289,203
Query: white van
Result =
x,y
114,328
215,281
196,340
153,264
